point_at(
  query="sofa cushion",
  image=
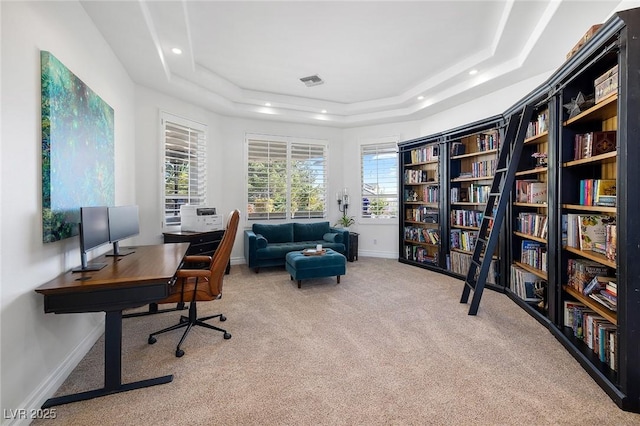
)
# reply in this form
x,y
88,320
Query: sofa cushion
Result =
x,y
332,237
280,233
310,231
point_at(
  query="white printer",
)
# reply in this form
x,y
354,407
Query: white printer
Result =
x,y
197,218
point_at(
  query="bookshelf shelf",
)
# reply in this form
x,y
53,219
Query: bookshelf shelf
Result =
x,y
535,171
599,112
421,243
608,314
475,154
539,138
537,272
536,205
472,179
591,255
590,160
530,237
594,209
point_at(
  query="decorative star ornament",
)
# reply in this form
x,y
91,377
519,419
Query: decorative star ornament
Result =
x,y
573,107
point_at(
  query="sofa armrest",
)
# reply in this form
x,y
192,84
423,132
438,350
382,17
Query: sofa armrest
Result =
x,y
345,238
250,248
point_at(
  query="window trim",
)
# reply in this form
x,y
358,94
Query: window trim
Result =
x,y
377,220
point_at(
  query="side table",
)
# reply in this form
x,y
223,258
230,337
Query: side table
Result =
x,y
353,246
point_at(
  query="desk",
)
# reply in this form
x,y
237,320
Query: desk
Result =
x,y
135,280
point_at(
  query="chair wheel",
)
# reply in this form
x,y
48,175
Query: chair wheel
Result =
x,y
183,319
179,353
223,318
152,340
227,336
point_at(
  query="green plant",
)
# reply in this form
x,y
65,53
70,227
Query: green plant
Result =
x,y
345,221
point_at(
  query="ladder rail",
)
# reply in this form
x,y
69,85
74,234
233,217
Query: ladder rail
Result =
x,y
501,186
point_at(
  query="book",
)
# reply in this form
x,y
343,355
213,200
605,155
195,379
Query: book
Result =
x,y
605,193
592,229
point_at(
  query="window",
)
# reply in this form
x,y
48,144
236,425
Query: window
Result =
x,y
286,178
184,165
379,168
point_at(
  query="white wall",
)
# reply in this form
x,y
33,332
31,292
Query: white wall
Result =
x,y
39,349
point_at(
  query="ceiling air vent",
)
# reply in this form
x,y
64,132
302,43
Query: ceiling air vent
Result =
x,y
312,80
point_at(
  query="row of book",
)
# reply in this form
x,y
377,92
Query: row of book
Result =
x,y
428,194
424,154
540,125
419,176
526,285
420,254
600,335
581,271
458,195
463,239
483,168
466,217
458,263
587,145
478,193
531,191
422,235
422,214
488,141
598,192
534,254
586,232
533,224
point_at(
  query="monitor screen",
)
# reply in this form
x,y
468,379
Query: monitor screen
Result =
x,y
94,232
94,227
123,222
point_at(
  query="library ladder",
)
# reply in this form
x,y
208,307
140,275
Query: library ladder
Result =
x,y
493,216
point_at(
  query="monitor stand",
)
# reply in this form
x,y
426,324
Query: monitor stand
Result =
x,y
120,251
87,267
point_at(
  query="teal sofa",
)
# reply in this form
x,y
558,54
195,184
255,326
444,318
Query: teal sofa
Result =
x,y
268,244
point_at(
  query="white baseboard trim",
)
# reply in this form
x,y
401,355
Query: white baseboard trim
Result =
x,y
53,381
378,254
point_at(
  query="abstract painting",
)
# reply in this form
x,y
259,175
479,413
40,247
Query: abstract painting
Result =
x,y
77,149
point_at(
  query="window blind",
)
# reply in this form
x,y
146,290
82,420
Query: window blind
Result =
x,y
185,171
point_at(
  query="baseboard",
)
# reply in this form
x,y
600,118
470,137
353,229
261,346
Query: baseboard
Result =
x,y
53,381
378,254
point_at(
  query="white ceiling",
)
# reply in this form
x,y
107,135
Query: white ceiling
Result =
x,y
376,58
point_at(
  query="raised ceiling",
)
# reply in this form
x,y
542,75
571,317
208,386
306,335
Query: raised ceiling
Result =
x,y
376,58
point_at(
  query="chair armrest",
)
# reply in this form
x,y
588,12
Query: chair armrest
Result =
x,y
193,273
197,259
345,237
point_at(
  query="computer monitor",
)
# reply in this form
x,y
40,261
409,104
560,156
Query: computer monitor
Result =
x,y
123,223
94,232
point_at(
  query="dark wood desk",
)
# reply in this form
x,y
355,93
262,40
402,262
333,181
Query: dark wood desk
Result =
x,y
126,282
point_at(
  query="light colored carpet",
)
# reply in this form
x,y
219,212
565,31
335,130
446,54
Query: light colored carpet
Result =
x,y
389,345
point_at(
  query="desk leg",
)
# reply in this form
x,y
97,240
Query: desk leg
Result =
x,y
112,367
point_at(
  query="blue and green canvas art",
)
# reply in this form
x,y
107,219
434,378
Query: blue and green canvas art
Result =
x,y
77,149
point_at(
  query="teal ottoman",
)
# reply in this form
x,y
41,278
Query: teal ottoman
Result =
x,y
302,267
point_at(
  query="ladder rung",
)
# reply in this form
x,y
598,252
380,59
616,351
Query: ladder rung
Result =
x,y
488,218
502,170
475,262
495,194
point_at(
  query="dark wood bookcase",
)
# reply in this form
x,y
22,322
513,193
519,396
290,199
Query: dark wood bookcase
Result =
x,y
537,238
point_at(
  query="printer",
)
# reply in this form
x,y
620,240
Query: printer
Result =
x,y
196,218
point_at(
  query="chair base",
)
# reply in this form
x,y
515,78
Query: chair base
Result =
x,y
189,322
153,309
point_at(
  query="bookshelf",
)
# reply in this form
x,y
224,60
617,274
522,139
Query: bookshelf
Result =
x,y
591,145
529,225
472,154
420,233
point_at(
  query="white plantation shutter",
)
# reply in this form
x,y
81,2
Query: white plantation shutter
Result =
x,y
379,173
185,171
285,178
267,178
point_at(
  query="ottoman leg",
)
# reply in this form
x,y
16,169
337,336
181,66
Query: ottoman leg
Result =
x,y
338,279
299,283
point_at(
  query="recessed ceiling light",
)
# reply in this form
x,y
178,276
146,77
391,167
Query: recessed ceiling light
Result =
x,y
420,97
267,104
324,111
473,72
177,51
